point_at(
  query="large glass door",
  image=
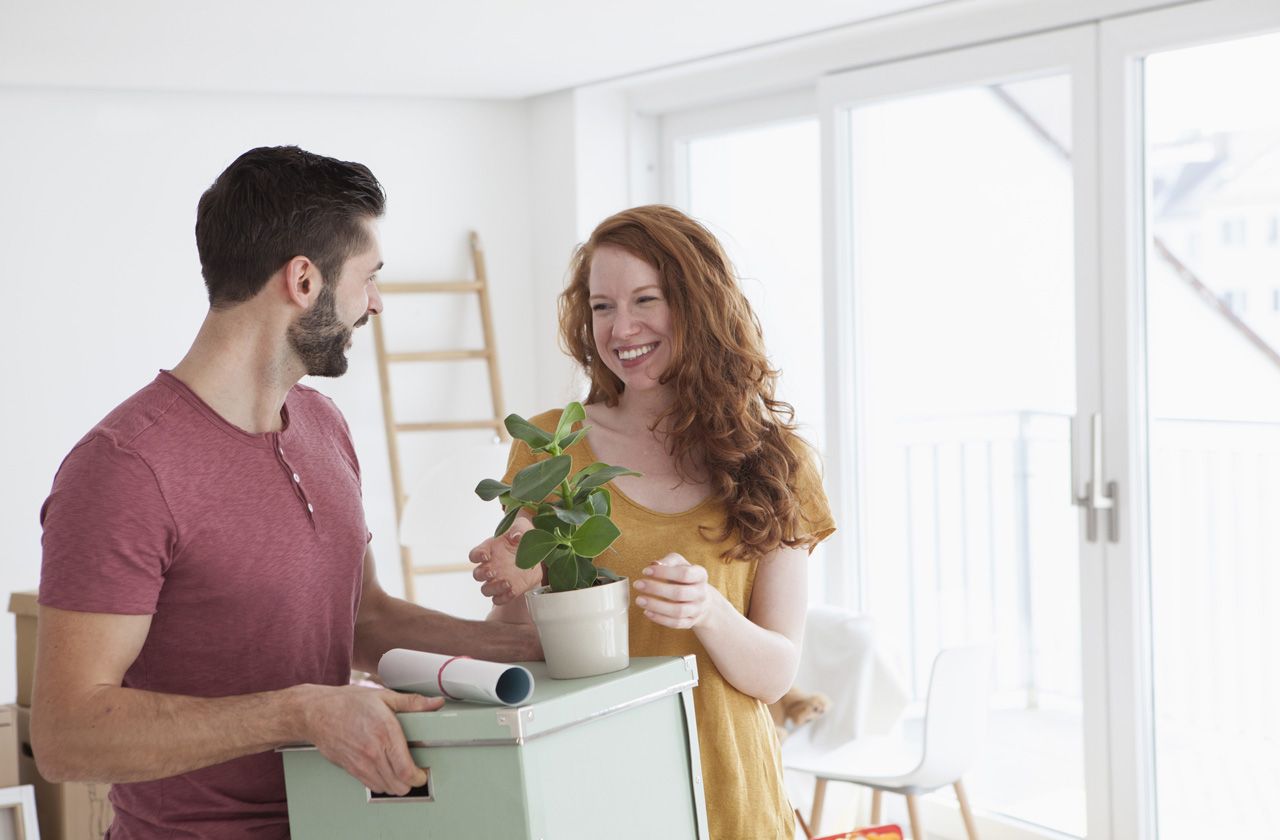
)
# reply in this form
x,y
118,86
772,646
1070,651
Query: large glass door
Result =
x,y
964,336
1196,413
1050,261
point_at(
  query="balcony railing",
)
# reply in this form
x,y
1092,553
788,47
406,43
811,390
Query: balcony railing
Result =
x,y
989,547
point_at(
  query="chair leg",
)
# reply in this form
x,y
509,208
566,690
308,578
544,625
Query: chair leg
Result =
x,y
913,812
969,827
875,807
804,826
815,815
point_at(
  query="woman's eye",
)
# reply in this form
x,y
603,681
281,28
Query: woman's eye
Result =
x,y
599,307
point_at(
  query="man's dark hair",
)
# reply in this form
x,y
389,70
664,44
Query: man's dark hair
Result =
x,y
273,204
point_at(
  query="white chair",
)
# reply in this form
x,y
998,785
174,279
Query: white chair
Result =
x,y
836,660
954,730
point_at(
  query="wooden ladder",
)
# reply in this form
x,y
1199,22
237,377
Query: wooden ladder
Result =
x,y
480,287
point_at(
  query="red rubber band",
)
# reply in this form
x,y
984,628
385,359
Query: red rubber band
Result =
x,y
440,677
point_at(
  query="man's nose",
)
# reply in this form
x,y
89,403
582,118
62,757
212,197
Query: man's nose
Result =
x,y
375,300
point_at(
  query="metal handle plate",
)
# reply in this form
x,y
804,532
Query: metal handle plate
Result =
x,y
1097,497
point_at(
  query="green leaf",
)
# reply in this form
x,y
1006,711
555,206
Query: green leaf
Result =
x,y
572,517
603,476
548,522
489,489
607,575
506,521
536,481
570,440
522,429
586,572
534,547
594,536
588,470
601,501
573,413
562,571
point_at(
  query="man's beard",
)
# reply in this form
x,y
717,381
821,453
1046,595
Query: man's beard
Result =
x,y
320,338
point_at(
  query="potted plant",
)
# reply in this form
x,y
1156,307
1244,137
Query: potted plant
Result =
x,y
581,612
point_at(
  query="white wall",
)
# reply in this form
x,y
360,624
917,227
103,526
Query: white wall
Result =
x,y
553,217
98,264
601,133
581,165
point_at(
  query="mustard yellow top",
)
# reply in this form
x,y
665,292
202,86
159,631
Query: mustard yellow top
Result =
x,y
741,764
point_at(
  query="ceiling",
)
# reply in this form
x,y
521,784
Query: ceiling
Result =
x,y
475,49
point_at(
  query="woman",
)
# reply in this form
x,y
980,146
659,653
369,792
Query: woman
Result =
x,y
717,530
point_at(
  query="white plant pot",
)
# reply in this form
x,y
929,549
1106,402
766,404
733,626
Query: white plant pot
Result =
x,y
584,631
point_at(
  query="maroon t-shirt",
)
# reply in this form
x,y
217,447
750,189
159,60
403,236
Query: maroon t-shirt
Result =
x,y
246,550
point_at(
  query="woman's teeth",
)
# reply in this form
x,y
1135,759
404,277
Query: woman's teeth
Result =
x,y
628,355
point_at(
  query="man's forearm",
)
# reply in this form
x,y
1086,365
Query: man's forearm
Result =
x,y
115,734
395,623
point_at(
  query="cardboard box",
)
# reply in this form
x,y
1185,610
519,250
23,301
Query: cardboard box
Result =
x,y
884,832
67,811
8,747
23,607
571,764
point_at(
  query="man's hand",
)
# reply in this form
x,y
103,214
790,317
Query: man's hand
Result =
x,y
356,728
496,568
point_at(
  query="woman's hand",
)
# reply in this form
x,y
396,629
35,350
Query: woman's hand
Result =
x,y
496,568
675,593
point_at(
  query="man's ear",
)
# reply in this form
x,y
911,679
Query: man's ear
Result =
x,y
301,281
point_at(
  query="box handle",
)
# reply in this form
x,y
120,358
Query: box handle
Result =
x,y
422,793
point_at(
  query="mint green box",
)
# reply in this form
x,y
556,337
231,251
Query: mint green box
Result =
x,y
614,756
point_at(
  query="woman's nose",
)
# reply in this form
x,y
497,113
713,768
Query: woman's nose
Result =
x,y
624,325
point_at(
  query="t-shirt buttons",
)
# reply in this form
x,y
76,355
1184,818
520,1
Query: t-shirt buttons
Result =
x,y
311,508
281,451
295,477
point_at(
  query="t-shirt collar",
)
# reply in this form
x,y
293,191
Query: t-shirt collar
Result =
x,y
259,439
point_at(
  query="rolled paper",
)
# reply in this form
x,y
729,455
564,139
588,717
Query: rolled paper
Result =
x,y
455,677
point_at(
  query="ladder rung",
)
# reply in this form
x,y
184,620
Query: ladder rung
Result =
x,y
438,356
435,286
435,570
449,425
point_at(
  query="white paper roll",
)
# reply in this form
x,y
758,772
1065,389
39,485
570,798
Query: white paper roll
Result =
x,y
455,677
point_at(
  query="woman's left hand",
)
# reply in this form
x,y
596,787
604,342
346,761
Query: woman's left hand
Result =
x,y
674,593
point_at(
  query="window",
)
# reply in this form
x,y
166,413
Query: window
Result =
x,y
1233,232
1236,300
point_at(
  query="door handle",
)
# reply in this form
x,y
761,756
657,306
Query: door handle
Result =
x,y
1095,498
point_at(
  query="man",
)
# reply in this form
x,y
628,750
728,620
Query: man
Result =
x,y
207,584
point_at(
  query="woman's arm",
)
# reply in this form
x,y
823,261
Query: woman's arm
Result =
x,y
757,653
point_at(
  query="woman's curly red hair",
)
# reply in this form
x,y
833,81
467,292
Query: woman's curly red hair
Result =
x,y
725,413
